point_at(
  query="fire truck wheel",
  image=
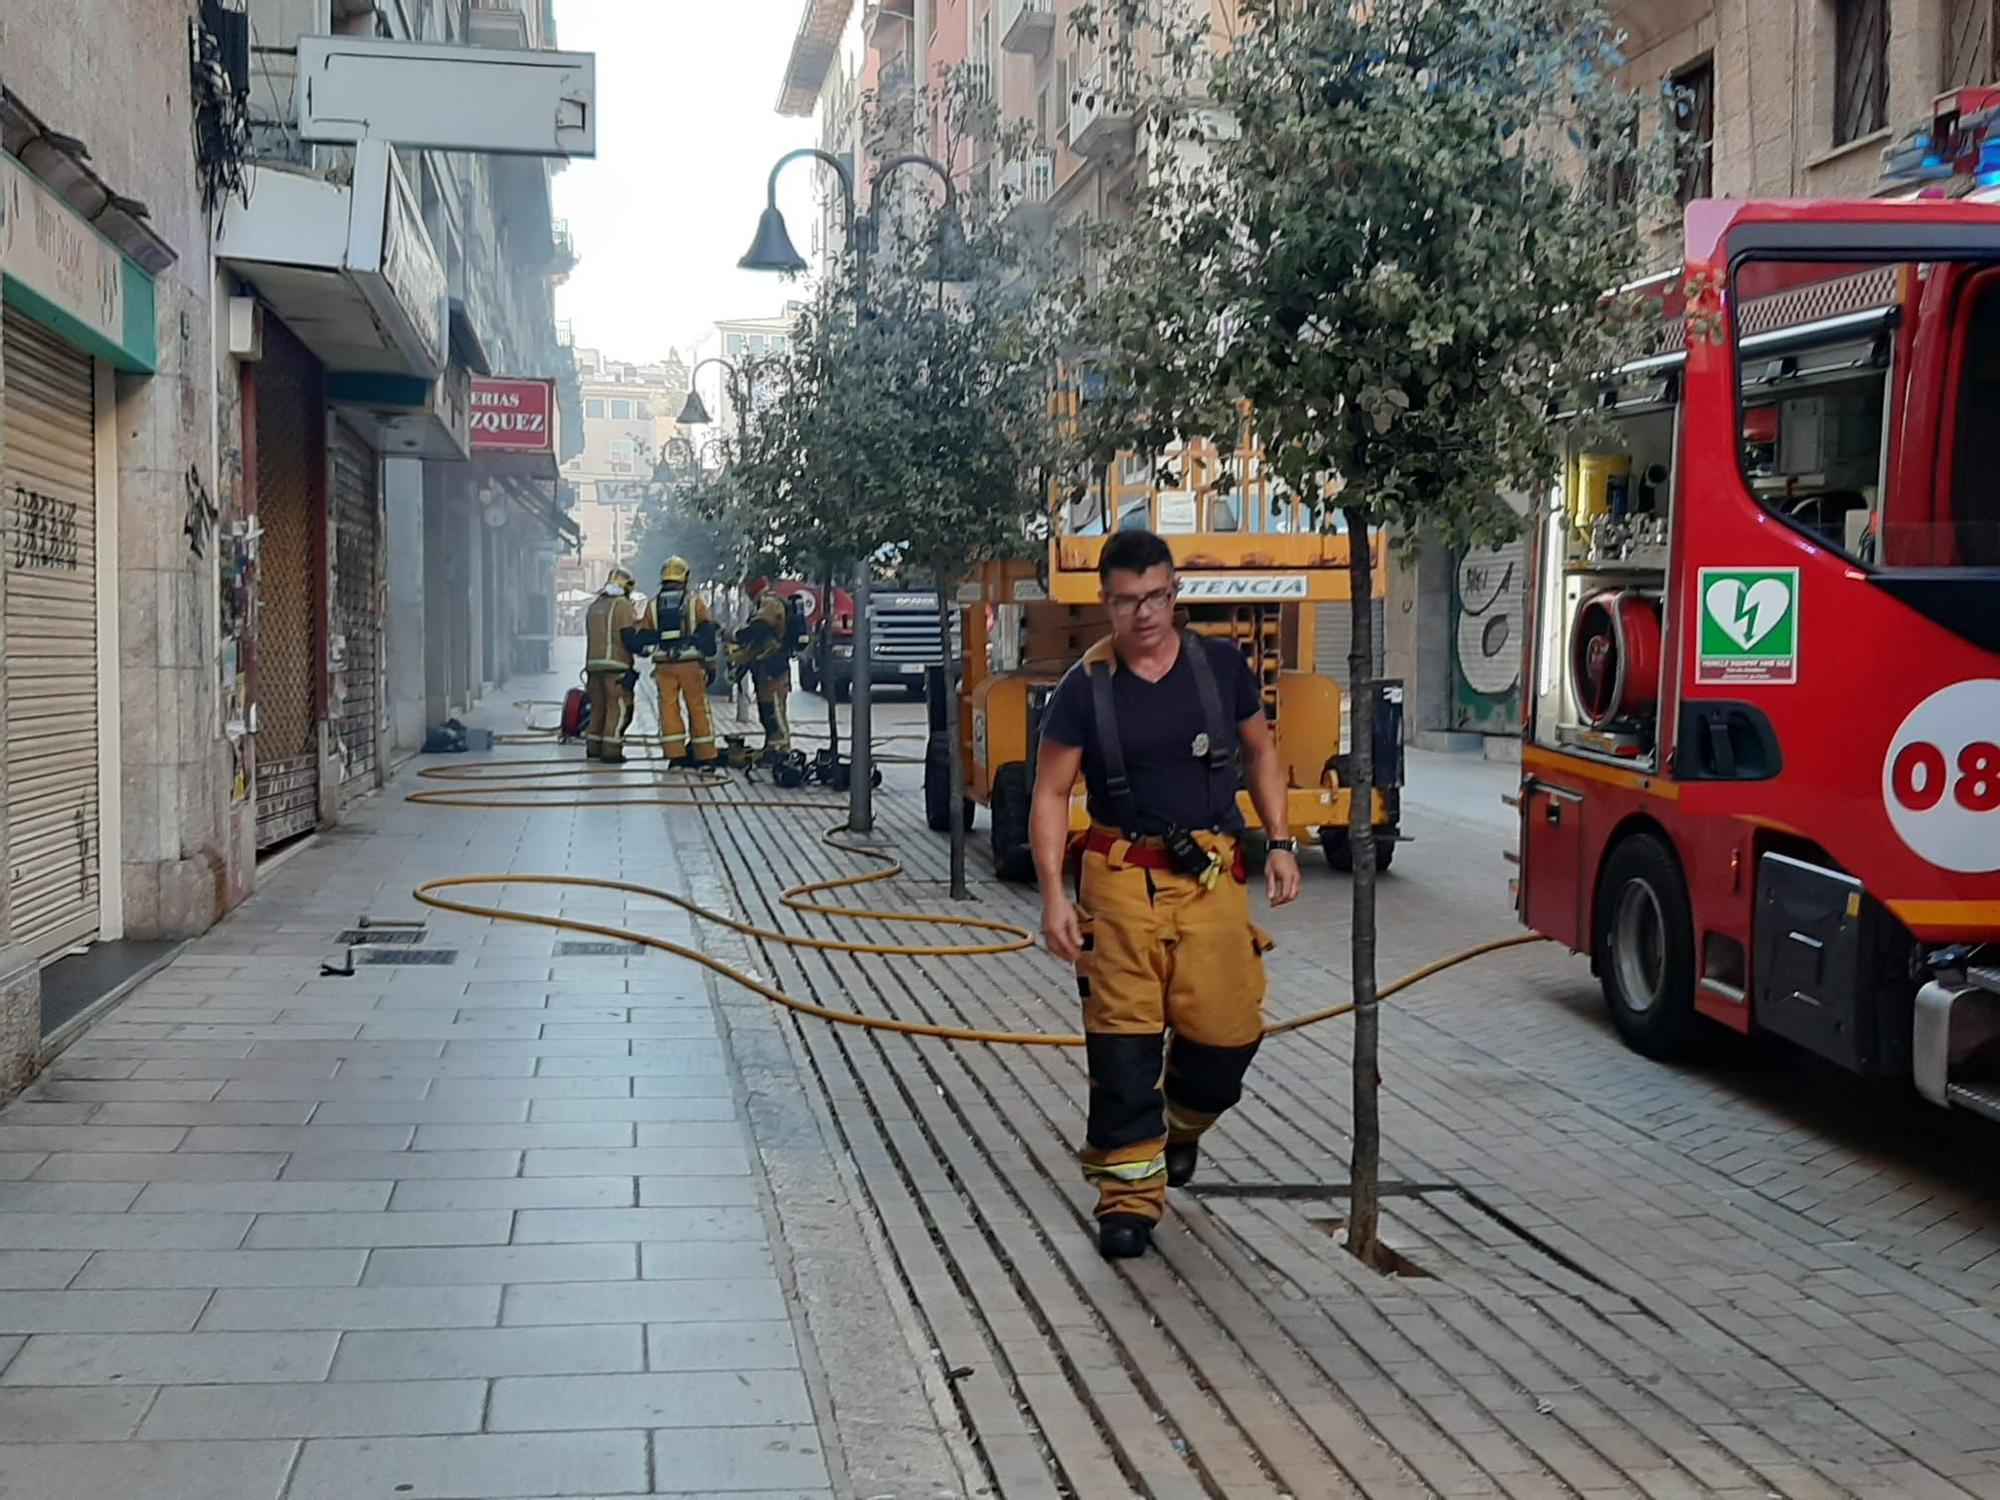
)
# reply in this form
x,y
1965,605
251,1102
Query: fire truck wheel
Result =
x,y
843,689
808,675
1013,860
1338,848
1645,948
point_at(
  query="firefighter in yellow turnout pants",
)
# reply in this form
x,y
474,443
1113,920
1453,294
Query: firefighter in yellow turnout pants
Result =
x,y
608,667
763,647
1161,937
679,632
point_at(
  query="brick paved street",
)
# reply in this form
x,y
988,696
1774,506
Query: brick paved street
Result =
x,y
539,1222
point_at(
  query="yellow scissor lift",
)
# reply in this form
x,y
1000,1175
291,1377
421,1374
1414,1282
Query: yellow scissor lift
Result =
x,y
1250,572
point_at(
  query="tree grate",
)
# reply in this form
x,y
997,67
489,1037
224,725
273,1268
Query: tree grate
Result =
x,y
573,948
407,956
359,937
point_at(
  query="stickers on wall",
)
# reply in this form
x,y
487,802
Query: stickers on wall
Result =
x,y
1941,778
1749,626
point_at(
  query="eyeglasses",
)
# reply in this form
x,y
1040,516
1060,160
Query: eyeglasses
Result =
x,y
1142,604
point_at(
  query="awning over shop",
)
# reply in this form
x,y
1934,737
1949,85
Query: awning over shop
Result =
x,y
352,271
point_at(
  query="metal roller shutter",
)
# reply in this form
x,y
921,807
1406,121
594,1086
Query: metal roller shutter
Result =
x,y
50,670
1333,636
357,616
290,446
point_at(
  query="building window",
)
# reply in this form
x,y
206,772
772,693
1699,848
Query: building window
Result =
x,y
621,411
622,454
735,343
594,407
779,344
1860,68
645,411
1968,43
1694,107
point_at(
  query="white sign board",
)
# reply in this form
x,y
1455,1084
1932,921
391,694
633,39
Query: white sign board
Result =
x,y
50,250
1243,588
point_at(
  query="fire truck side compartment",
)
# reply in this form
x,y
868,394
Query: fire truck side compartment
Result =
x,y
1828,973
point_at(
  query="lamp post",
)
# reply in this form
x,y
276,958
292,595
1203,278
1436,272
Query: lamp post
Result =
x,y
695,414
773,250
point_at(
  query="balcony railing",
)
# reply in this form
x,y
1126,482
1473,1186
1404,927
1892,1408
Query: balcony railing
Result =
x,y
1027,184
1027,26
1103,110
975,81
502,23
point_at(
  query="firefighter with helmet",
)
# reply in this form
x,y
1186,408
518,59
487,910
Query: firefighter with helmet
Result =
x,y
607,667
681,635
763,646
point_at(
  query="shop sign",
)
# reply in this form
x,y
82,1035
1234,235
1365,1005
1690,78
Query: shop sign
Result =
x,y
511,414
65,274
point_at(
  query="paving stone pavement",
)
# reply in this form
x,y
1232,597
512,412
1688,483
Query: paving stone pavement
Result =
x,y
535,1222
491,1226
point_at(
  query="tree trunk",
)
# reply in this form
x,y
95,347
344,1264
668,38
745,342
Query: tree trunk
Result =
x,y
955,778
826,662
861,717
1365,1163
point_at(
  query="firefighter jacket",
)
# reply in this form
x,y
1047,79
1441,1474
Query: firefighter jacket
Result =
x,y
610,615
765,635
679,627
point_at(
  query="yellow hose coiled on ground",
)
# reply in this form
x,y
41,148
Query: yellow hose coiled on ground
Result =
x,y
499,784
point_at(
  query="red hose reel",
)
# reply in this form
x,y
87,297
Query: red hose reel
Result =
x,y
1614,657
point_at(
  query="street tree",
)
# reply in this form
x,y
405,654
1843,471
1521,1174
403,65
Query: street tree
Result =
x,y
1385,231
919,434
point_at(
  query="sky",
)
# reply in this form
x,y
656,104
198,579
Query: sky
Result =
x,y
687,131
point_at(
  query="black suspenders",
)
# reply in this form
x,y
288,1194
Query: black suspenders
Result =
x,y
1221,761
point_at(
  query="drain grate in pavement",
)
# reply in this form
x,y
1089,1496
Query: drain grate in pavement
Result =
x,y
407,956
573,948
357,937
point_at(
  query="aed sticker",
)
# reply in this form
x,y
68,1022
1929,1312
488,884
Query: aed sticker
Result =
x,y
1941,778
978,738
1749,626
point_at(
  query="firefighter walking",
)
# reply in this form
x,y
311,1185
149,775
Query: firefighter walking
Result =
x,y
607,666
681,635
1154,718
763,647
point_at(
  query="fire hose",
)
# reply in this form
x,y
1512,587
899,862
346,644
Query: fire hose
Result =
x,y
498,784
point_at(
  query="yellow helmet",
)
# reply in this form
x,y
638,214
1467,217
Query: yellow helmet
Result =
x,y
621,578
674,570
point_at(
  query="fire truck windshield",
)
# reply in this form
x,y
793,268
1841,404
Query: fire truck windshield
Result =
x,y
1866,392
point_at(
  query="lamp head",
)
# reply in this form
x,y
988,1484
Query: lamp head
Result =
x,y
772,249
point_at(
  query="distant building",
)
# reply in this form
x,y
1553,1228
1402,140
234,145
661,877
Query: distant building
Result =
x,y
629,413
745,343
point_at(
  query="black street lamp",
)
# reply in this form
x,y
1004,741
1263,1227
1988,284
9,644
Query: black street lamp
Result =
x,y
772,250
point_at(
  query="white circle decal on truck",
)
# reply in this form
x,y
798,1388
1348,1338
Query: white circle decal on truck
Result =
x,y
1941,778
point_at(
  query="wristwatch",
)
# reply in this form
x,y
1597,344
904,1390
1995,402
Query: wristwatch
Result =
x,y
1284,846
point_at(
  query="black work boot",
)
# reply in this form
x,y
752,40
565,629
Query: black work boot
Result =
x,y
1182,1159
1123,1236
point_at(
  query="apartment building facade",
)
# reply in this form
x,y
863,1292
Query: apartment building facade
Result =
x,y
1782,98
628,430
229,359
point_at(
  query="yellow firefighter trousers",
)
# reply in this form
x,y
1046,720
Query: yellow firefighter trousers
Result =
x,y
610,712
695,735
1161,953
774,707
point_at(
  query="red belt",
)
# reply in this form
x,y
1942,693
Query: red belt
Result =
x,y
1149,854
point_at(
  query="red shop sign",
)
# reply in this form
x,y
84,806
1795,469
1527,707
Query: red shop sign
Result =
x,y
511,414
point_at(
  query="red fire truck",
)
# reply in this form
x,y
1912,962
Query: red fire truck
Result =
x,y
1761,764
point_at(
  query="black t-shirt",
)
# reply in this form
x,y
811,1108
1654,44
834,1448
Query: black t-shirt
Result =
x,y
1161,727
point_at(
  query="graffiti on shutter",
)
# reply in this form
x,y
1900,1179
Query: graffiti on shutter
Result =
x,y
1489,603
